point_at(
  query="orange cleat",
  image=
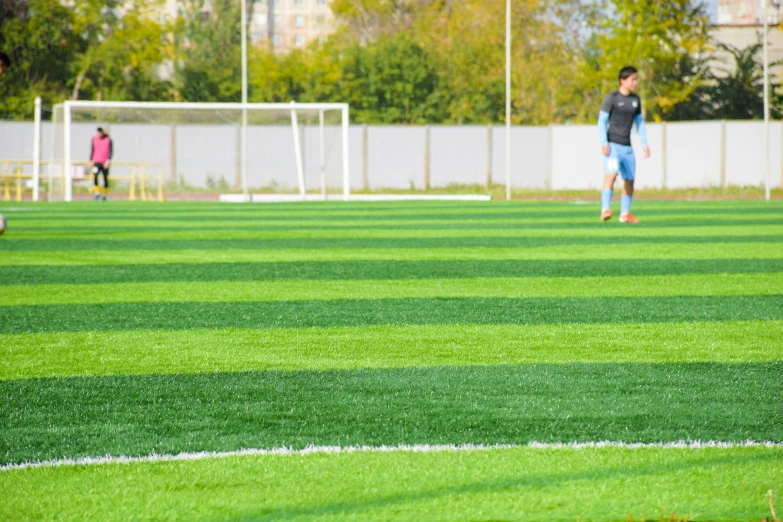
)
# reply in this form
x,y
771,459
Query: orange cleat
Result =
x,y
606,215
628,218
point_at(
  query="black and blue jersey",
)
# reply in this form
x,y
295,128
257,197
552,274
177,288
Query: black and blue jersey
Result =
x,y
618,113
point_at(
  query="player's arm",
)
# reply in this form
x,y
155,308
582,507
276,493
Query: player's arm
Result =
x,y
603,124
111,152
92,151
642,130
603,130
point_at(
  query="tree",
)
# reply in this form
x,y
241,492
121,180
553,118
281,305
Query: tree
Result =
x,y
549,50
395,61
39,36
464,40
391,81
365,21
89,49
737,93
121,44
733,91
208,65
281,79
656,36
698,106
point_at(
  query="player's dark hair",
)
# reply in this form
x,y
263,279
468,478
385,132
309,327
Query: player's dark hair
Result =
x,y
5,59
626,71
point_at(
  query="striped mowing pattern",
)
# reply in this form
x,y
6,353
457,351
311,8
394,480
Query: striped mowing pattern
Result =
x,y
141,330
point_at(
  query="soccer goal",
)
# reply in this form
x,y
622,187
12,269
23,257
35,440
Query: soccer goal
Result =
x,y
297,150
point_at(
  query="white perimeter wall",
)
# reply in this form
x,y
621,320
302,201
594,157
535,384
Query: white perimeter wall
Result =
x,y
401,157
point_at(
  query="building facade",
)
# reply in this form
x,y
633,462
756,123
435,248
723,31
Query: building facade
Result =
x,y
748,12
283,24
742,36
289,24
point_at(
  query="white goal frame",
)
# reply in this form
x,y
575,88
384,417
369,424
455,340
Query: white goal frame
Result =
x,y
68,106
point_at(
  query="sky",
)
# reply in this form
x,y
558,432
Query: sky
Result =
x,y
712,9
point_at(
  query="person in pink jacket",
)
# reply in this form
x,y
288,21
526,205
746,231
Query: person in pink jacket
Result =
x,y
100,160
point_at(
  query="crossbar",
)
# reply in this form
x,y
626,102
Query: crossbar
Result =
x,y
204,106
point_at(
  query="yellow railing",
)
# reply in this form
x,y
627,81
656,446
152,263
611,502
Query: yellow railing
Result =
x,y
12,175
141,174
12,178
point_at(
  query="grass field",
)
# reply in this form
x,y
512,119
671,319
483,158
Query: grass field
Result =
x,y
506,342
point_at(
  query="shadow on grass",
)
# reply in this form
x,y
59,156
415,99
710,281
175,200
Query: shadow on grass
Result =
x,y
507,484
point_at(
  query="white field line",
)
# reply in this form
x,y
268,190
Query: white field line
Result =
x,y
415,448
294,198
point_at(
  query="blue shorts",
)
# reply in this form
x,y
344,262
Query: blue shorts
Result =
x,y
621,160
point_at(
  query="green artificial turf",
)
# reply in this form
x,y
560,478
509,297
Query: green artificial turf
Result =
x,y
713,224
372,312
227,291
211,230
398,210
261,244
137,415
141,352
129,272
606,253
132,328
501,485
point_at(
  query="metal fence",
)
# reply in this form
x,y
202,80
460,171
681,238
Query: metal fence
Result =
x,y
684,155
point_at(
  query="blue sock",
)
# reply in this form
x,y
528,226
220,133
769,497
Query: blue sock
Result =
x,y
606,198
625,204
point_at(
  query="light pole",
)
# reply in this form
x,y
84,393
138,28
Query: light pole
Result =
x,y
243,139
508,99
37,149
766,101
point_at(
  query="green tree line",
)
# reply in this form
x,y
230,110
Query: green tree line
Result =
x,y
394,61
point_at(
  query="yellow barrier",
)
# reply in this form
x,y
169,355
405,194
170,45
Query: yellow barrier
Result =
x,y
142,191
15,176
132,193
160,184
7,192
140,173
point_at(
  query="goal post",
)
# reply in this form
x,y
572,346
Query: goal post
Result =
x,y
257,146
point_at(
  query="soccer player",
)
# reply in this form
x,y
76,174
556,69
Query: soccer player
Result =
x,y
619,111
5,63
100,160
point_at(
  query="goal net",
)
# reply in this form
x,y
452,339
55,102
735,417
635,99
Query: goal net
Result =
x,y
297,151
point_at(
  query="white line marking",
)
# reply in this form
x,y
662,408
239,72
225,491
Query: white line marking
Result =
x,y
295,198
414,448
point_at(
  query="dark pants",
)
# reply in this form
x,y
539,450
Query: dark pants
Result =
x,y
99,169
